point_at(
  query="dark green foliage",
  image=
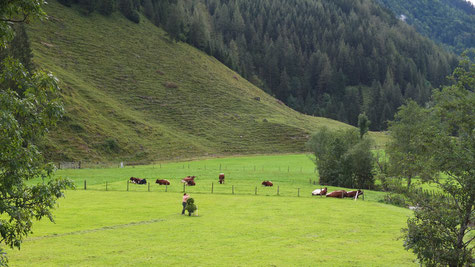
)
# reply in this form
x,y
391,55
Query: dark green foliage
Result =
x,y
19,48
450,22
363,124
190,206
106,7
441,139
128,9
343,159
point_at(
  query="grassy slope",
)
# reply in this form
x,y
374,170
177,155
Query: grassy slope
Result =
x,y
113,74
145,229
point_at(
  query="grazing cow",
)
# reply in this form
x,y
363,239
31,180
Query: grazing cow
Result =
x,y
319,192
191,183
337,194
221,178
267,183
353,193
162,182
136,180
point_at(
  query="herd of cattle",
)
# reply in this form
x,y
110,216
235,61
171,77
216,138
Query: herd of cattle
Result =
x,y
190,181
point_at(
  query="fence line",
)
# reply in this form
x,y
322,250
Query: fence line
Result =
x,y
232,190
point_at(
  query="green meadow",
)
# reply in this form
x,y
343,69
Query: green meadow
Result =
x,y
95,227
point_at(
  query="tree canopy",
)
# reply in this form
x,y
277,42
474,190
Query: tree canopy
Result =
x,y
440,148
29,107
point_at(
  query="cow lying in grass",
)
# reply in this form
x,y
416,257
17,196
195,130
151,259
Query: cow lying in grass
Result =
x,y
267,183
343,193
136,180
319,192
162,182
356,193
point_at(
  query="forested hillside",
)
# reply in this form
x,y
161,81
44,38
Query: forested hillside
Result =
x,y
132,94
448,22
331,58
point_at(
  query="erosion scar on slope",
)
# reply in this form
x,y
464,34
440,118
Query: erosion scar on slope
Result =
x,y
118,226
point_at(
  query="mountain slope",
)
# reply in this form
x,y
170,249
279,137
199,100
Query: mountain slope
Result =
x,y
449,22
132,94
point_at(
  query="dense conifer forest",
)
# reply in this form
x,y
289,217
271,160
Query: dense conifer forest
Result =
x,y
448,22
334,59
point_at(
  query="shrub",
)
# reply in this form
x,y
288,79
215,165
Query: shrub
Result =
x,y
190,206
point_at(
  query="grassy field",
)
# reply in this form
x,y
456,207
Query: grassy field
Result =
x,y
96,228
132,94
292,175
140,228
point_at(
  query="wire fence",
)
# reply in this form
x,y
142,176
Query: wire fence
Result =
x,y
205,188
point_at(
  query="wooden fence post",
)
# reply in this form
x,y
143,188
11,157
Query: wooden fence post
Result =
x,y
184,191
127,185
288,168
256,190
278,190
166,188
298,193
148,186
106,185
233,189
212,187
85,185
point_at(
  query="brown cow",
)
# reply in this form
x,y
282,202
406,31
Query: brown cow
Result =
x,y
162,182
353,193
221,178
319,192
267,183
337,194
188,178
191,183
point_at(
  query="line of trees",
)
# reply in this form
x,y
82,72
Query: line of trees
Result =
x,y
335,58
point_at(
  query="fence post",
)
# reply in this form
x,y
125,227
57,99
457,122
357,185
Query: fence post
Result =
x,y
166,188
233,189
219,166
298,192
288,168
85,185
148,186
212,187
256,190
277,190
106,185
127,185
310,181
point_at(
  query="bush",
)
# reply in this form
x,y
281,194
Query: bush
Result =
x,y
190,206
343,159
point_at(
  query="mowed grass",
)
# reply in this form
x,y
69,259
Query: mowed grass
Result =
x,y
95,228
